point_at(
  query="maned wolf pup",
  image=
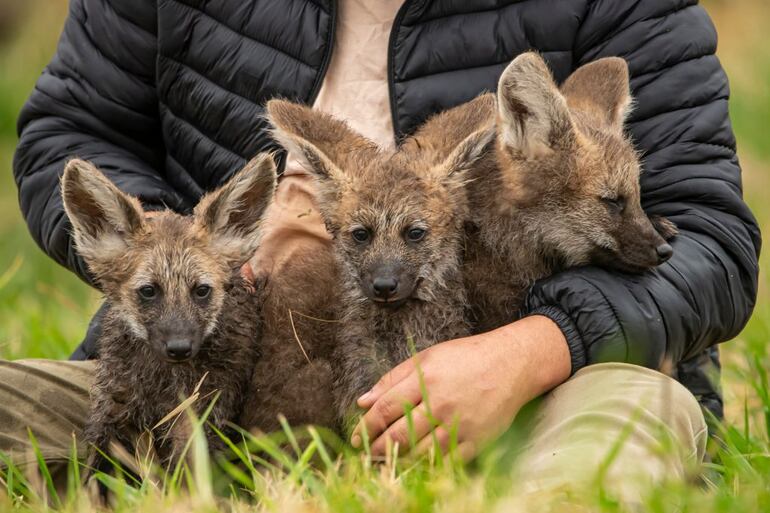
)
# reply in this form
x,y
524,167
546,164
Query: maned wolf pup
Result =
x,y
560,187
397,225
179,314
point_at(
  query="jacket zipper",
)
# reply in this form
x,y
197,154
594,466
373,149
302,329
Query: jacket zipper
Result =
x,y
327,56
391,66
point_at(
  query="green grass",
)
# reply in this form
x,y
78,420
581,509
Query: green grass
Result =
x,y
43,308
44,311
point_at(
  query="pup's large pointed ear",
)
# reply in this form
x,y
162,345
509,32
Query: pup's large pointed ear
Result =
x,y
533,114
326,146
232,214
103,218
444,131
458,168
601,89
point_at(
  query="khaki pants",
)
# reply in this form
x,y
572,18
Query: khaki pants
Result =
x,y
575,430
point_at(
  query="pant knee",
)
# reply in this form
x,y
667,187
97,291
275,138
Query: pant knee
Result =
x,y
637,424
49,398
604,402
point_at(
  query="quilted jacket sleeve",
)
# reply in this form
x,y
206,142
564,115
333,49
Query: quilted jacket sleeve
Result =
x,y
95,100
706,292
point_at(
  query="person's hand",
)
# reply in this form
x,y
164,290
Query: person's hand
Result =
x,y
475,385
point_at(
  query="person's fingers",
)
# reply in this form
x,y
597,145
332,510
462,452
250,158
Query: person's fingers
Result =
x,y
466,451
387,409
386,382
405,432
440,438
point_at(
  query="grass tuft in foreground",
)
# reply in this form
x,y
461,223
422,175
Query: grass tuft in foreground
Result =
x,y
312,470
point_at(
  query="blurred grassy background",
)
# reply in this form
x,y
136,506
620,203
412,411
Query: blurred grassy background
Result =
x,y
44,310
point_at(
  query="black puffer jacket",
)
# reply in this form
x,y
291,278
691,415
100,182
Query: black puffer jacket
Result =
x,y
166,96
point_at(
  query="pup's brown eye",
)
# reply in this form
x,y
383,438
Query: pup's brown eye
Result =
x,y
202,291
148,292
360,235
416,234
616,204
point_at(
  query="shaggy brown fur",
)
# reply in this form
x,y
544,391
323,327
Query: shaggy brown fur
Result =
x,y
559,189
171,282
293,376
393,218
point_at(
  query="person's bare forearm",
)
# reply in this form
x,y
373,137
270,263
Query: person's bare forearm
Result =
x,y
541,344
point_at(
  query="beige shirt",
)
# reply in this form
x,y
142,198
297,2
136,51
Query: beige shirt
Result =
x,y
355,89
356,85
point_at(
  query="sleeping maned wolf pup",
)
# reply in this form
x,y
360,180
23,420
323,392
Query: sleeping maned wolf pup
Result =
x,y
558,188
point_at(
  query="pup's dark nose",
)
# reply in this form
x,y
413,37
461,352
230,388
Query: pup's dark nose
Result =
x,y
664,252
179,349
385,287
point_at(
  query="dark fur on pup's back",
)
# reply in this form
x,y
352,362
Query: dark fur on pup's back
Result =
x,y
179,314
294,376
559,188
397,224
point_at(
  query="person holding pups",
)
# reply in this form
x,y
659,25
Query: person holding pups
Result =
x,y
167,100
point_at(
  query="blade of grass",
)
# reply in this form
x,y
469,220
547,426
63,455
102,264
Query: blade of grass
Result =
x,y
235,473
11,271
201,464
243,455
290,434
325,457
44,470
73,473
17,484
197,425
300,466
